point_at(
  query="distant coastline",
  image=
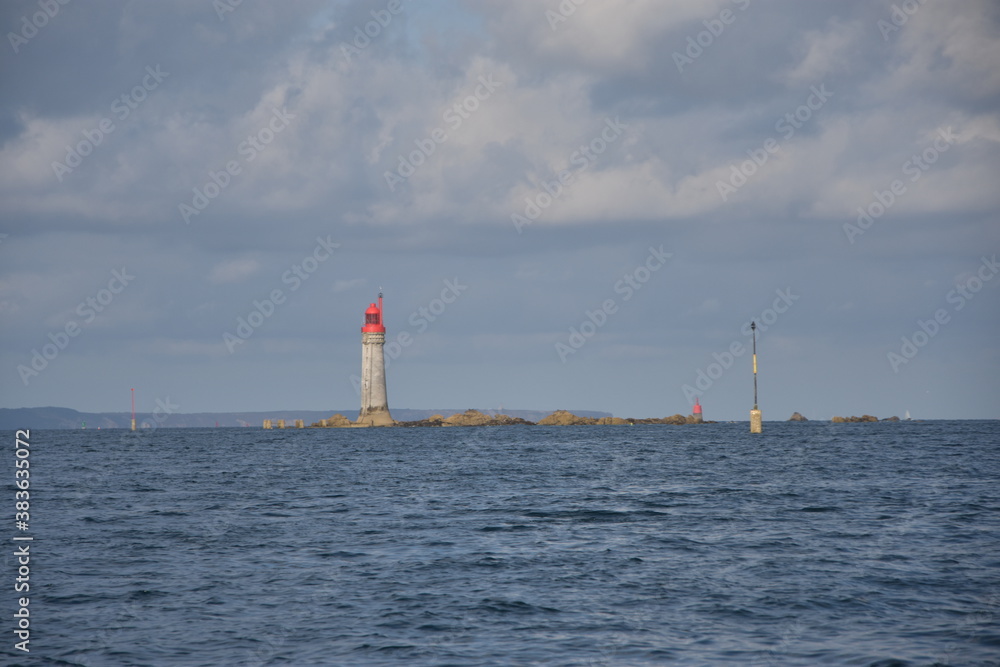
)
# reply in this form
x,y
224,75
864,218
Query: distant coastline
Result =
x,y
67,418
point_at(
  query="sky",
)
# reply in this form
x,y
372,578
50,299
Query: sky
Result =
x,y
567,205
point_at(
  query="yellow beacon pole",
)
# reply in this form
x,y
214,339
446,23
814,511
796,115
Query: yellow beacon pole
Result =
x,y
756,423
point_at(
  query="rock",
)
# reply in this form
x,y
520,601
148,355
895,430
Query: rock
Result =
x,y
564,418
674,419
854,420
336,421
894,418
420,423
557,418
467,418
797,417
507,420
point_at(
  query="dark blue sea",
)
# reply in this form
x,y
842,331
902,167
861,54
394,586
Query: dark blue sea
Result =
x,y
810,544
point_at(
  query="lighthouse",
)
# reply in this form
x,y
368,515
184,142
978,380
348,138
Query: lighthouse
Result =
x,y
374,404
696,413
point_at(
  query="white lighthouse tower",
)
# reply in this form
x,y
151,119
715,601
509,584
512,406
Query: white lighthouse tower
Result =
x,y
374,404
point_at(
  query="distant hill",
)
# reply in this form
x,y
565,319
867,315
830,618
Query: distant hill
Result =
x,y
67,418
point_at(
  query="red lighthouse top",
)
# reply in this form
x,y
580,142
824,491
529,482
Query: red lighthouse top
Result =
x,y
697,407
373,318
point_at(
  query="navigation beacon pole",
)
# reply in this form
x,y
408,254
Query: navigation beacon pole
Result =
x,y
756,425
374,404
133,408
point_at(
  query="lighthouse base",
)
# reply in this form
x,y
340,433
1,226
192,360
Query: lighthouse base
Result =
x,y
756,423
375,417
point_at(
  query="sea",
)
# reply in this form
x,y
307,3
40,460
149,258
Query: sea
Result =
x,y
810,544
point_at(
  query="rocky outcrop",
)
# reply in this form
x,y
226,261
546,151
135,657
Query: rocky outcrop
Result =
x,y
862,418
507,420
564,418
468,418
797,417
612,421
675,419
557,418
336,421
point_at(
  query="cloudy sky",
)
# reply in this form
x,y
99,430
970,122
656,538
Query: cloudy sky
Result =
x,y
573,205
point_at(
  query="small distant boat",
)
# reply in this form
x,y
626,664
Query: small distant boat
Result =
x,y
907,416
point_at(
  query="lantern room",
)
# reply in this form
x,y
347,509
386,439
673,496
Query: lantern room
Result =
x,y
373,318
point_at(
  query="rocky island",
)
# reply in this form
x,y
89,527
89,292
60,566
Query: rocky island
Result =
x,y
477,418
557,418
797,417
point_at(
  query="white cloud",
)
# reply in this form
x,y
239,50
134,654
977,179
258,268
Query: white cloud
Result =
x,y
599,37
824,52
